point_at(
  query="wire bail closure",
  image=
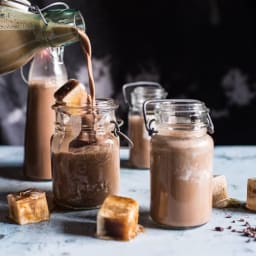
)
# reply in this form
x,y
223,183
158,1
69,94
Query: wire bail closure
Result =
x,y
151,130
117,131
148,123
36,9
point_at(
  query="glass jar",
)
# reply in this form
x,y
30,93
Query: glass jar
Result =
x,y
139,155
85,154
181,163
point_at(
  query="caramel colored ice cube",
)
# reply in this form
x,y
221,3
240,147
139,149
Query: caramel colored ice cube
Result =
x,y
28,206
251,194
72,93
219,190
118,218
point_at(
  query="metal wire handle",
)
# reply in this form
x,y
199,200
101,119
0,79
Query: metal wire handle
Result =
x,y
36,9
117,131
137,84
152,131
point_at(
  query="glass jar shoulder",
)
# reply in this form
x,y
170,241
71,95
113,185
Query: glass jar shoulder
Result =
x,y
182,141
61,142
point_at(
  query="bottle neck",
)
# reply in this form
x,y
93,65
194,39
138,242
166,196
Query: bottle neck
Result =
x,y
59,35
62,26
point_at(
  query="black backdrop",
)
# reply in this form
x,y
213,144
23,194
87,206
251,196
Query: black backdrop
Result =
x,y
203,49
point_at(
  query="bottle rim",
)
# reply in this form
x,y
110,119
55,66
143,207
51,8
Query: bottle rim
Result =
x,y
148,91
175,106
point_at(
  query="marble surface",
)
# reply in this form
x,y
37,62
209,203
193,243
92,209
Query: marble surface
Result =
x,y
72,232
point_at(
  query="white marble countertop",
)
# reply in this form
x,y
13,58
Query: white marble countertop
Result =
x,y
72,232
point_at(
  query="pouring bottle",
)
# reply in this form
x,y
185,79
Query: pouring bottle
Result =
x,y
25,30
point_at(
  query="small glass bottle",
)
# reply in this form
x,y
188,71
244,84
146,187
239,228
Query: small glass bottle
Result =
x,y
141,91
181,163
85,154
47,73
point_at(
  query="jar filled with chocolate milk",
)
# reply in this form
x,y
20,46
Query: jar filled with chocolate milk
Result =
x,y
181,163
85,154
47,73
135,94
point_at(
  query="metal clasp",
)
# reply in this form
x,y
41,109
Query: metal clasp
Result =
x,y
36,9
210,127
137,84
117,131
148,124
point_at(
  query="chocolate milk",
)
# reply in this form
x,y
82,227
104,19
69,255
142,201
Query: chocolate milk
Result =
x,y
84,180
39,129
140,153
181,176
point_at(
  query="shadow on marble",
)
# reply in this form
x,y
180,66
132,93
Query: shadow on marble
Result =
x,y
83,228
11,172
145,220
126,164
242,210
4,216
4,212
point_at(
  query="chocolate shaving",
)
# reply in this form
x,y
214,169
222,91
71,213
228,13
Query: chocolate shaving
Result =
x,y
219,229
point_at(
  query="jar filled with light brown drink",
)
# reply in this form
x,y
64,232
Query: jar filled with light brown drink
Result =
x,y
139,155
181,163
85,154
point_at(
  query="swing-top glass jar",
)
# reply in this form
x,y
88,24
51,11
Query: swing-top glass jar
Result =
x,y
181,163
135,94
85,154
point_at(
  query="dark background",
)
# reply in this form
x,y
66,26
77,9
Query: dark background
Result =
x,y
202,49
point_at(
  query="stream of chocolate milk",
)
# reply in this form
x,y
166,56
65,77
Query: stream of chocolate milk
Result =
x,y
87,49
85,174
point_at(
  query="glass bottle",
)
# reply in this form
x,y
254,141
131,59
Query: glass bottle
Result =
x,y
47,73
24,32
135,94
85,154
181,163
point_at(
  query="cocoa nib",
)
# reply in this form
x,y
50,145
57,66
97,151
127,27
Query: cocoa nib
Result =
x,y
219,229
